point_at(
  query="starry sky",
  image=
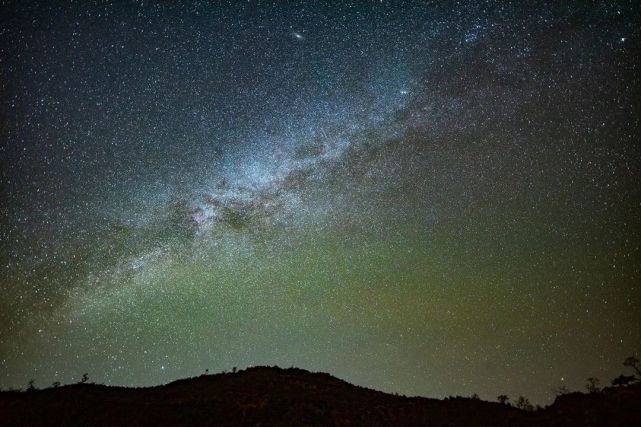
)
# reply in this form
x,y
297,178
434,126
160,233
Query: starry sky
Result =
x,y
429,198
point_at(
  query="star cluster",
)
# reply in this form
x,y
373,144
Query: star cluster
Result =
x,y
426,198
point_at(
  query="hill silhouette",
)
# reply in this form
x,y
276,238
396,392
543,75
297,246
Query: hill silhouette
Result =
x,y
275,396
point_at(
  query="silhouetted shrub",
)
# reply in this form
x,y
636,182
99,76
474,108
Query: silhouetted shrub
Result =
x,y
593,385
502,398
524,403
561,390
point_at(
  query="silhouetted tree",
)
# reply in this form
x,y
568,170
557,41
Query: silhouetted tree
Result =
x,y
55,384
524,403
502,398
633,363
85,378
623,380
593,385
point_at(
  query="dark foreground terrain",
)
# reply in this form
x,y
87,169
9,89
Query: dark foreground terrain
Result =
x,y
274,396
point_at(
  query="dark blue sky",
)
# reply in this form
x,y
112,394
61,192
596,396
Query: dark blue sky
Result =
x,y
425,197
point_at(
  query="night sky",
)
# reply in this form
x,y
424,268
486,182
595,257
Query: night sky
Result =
x,y
429,198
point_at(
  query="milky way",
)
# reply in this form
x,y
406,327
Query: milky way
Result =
x,y
425,198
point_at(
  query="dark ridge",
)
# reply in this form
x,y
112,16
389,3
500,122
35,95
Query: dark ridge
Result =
x,y
275,396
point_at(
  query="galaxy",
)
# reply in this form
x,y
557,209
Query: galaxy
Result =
x,y
427,198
